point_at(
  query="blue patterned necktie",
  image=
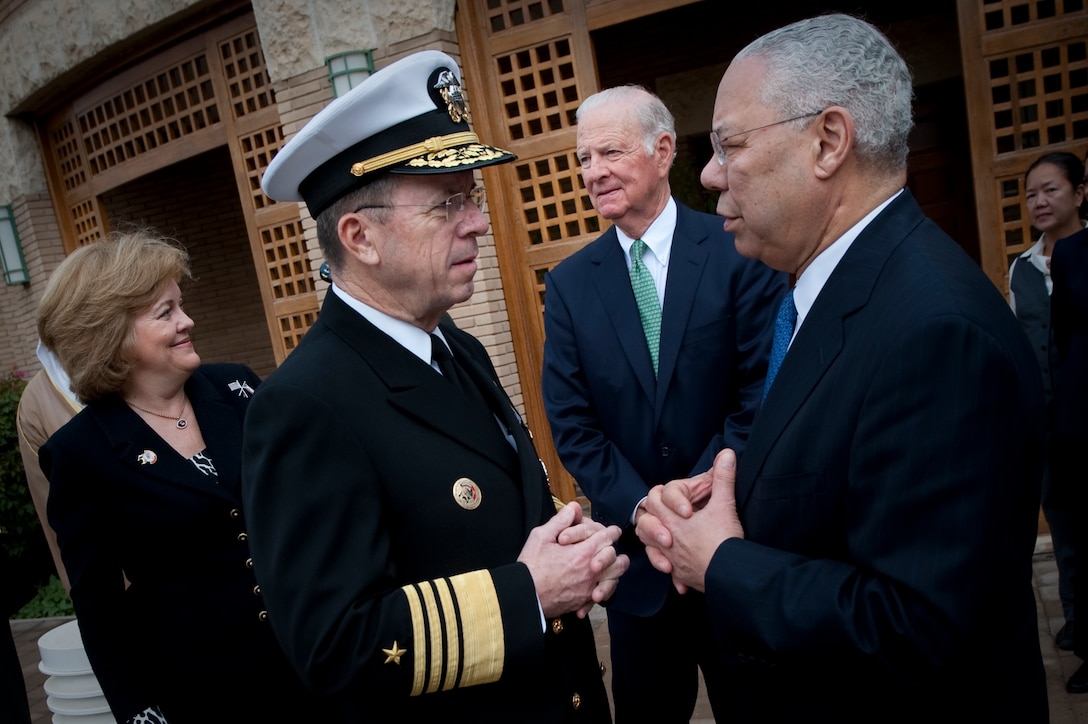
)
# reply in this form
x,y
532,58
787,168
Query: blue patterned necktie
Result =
x,y
783,331
649,308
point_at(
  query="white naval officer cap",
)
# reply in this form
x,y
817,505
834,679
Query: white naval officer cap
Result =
x,y
407,118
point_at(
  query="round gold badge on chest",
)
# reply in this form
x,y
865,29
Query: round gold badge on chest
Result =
x,y
467,494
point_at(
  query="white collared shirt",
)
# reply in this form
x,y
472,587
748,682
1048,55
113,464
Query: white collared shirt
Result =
x,y
812,280
55,372
407,335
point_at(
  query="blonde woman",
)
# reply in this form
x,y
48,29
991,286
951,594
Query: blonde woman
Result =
x,y
145,486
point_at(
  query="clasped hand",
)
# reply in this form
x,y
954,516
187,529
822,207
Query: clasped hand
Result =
x,y
686,520
573,562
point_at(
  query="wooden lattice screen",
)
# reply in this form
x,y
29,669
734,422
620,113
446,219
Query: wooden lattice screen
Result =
x,y
1026,75
540,64
534,60
206,92
279,250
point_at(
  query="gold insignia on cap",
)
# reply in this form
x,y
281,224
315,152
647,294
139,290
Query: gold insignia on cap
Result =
x,y
392,656
467,494
453,94
455,157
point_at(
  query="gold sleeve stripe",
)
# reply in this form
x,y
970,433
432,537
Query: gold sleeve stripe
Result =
x,y
458,638
483,640
451,633
436,639
419,643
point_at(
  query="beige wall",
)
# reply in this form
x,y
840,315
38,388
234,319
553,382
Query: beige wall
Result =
x,y
297,35
43,46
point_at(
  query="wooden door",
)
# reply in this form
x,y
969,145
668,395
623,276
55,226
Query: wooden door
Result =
x,y
1025,67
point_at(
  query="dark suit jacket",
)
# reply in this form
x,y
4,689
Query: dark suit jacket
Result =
x,y
354,449
1069,317
187,634
889,495
617,429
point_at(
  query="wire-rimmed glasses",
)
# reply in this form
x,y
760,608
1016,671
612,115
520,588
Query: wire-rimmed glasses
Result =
x,y
455,202
718,144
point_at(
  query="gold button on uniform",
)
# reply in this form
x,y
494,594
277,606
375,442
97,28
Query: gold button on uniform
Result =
x,y
263,615
576,701
467,493
557,625
243,537
257,590
249,563
235,513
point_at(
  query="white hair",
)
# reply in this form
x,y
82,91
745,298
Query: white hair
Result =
x,y
840,60
653,116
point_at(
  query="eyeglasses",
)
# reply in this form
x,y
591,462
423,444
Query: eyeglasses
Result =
x,y
718,143
455,202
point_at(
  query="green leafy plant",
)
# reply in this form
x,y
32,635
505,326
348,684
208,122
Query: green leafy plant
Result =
x,y
16,509
51,600
24,557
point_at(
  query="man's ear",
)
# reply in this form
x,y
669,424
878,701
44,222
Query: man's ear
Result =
x,y
357,235
665,150
835,138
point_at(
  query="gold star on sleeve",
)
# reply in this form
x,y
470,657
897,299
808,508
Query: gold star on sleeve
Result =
x,y
393,655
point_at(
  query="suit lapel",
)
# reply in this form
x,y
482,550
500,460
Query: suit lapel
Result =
x,y
140,449
414,387
613,284
687,260
821,338
529,465
222,429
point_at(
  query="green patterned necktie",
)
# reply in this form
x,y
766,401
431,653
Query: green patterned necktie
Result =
x,y
649,308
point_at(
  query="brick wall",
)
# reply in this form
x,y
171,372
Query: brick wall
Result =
x,y
43,250
196,202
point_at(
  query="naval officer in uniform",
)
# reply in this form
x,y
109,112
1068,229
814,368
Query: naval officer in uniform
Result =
x,y
414,563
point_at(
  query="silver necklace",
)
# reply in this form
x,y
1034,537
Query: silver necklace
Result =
x,y
179,421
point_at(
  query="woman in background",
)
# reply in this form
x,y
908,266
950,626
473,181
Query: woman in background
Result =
x,y
145,497
1054,195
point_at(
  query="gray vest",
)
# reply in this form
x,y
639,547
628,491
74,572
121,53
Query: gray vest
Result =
x,y
1033,311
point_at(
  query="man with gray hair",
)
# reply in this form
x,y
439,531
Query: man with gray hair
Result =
x,y
642,388
869,556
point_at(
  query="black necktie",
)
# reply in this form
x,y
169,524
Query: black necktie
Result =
x,y
450,370
460,379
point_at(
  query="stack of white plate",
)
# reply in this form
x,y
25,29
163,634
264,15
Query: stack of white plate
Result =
x,y
73,693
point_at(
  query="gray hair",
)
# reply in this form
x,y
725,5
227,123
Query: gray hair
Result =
x,y
653,116
840,60
378,192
